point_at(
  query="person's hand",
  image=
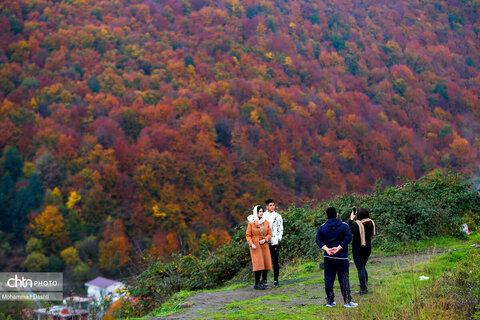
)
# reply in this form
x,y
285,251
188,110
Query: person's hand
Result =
x,y
336,249
253,246
352,215
262,241
257,223
327,250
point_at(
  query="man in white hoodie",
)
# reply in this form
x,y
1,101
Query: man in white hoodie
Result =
x,y
276,224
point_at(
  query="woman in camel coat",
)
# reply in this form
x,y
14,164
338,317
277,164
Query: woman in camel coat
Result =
x,y
257,238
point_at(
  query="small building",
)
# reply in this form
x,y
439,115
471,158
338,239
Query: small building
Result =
x,y
100,287
60,313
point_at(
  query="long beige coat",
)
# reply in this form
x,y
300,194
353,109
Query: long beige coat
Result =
x,y
261,259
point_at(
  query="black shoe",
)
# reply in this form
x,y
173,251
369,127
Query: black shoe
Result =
x,y
258,287
361,292
276,284
264,281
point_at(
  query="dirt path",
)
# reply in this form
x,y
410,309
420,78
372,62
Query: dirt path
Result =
x,y
300,291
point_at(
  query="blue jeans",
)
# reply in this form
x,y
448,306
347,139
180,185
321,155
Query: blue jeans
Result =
x,y
332,268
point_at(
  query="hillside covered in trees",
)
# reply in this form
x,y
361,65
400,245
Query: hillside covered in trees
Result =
x,y
133,126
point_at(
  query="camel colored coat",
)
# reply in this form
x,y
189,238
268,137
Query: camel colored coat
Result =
x,y
261,259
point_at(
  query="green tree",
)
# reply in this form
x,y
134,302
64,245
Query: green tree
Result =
x,y
94,84
130,123
26,200
12,162
87,248
36,262
6,317
271,25
70,256
188,60
441,89
5,249
445,131
75,226
36,191
7,194
24,203
34,245
55,264
30,82
81,272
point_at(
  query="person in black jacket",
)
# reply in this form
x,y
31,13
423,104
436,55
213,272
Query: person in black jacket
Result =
x,y
333,237
362,231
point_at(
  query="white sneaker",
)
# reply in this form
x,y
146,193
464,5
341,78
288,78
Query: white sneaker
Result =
x,y
351,305
331,305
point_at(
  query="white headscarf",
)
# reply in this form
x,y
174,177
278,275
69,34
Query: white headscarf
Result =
x,y
255,215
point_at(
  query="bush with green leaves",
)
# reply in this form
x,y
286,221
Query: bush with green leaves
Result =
x,y
163,278
435,205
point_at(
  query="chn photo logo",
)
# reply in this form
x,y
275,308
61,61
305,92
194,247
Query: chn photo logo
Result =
x,y
17,282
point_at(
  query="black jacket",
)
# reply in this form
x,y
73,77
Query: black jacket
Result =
x,y
357,248
332,233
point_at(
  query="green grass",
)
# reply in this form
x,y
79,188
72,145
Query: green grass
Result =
x,y
271,310
398,295
172,305
417,246
391,300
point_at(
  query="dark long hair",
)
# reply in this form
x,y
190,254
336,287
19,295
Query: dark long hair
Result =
x,y
260,207
363,213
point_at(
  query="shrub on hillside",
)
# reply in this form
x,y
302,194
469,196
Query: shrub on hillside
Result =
x,y
434,205
161,279
437,204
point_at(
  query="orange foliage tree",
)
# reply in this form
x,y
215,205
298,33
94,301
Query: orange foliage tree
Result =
x,y
115,248
50,227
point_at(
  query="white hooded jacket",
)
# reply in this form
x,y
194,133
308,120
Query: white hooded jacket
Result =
x,y
276,224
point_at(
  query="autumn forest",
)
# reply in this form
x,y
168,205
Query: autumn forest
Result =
x,y
152,126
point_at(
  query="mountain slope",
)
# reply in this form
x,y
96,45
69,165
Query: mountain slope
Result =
x,y
167,120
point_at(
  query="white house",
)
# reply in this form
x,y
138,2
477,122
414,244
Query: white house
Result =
x,y
100,287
